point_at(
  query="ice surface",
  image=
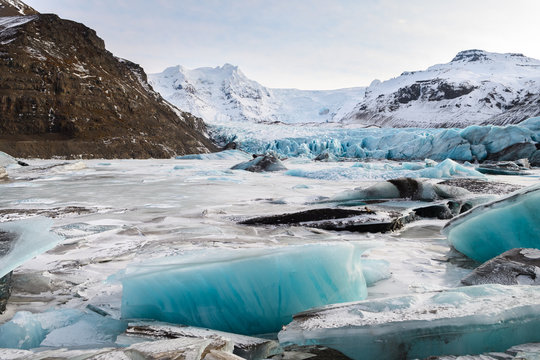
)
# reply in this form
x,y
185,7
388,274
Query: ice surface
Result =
x,y
222,155
245,291
471,143
491,229
33,237
59,328
469,320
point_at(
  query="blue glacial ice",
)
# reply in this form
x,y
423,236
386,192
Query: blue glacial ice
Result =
x,y
33,237
493,228
59,328
376,171
467,320
244,291
471,143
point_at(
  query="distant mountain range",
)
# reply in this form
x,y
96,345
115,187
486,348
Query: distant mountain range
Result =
x,y
63,94
224,94
476,87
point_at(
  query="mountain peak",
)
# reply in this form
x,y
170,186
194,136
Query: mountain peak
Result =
x,y
471,55
475,55
15,8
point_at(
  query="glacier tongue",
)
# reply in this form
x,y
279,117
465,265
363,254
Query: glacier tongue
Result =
x,y
468,320
469,144
245,291
491,229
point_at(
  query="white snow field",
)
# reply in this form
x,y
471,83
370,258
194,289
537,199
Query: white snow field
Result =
x,y
113,215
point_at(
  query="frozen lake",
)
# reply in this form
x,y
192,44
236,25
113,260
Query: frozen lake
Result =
x,y
115,213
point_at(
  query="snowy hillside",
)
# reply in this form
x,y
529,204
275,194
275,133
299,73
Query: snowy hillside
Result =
x,y
224,94
476,87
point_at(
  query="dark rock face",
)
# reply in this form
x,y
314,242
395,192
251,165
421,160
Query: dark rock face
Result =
x,y
337,219
312,352
261,163
63,94
15,8
516,266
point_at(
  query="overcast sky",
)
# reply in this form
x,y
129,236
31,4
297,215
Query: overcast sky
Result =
x,y
306,44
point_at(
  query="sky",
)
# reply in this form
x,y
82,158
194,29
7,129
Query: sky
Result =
x,y
305,44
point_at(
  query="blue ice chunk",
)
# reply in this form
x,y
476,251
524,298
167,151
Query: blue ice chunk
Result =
x,y
59,328
489,230
6,159
33,237
448,169
500,138
375,270
475,134
222,155
462,321
245,291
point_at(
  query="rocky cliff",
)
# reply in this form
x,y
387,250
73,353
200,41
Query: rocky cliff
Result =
x,y
63,94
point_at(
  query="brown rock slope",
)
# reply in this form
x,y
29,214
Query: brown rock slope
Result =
x,y
63,94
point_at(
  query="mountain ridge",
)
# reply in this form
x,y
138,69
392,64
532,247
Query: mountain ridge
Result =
x,y
63,94
475,87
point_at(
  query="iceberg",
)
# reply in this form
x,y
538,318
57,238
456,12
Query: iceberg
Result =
x,y
261,163
243,291
493,228
467,320
31,237
59,328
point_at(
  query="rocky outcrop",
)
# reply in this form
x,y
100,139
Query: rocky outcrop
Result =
x,y
514,267
63,94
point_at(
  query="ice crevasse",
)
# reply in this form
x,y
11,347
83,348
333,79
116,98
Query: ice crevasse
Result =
x,y
491,229
244,291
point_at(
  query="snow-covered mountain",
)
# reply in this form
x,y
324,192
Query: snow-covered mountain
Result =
x,y
476,87
225,94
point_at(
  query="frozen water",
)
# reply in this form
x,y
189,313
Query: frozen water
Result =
x,y
59,328
246,291
222,155
460,321
33,237
472,143
491,229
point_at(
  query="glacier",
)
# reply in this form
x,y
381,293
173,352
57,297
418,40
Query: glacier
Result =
x,y
59,328
461,321
493,228
473,143
245,291
33,237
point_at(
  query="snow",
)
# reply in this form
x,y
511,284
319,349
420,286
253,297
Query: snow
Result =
x,y
468,320
33,237
245,291
491,229
224,94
